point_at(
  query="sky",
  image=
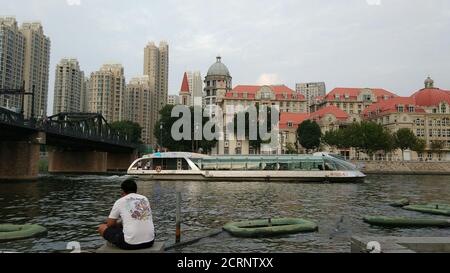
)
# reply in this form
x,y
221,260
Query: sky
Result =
x,y
391,44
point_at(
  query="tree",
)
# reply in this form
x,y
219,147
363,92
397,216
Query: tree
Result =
x,y
309,134
291,149
132,129
420,145
335,138
437,146
405,139
164,135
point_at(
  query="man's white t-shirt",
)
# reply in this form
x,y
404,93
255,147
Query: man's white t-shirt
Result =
x,y
136,215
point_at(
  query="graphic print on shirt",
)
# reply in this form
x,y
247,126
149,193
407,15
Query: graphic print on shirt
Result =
x,y
139,209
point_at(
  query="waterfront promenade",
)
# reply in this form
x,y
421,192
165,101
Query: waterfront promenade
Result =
x,y
404,167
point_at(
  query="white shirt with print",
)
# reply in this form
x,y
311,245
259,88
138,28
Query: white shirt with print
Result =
x,y
136,215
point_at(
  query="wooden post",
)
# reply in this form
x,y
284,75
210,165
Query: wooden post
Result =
x,y
178,219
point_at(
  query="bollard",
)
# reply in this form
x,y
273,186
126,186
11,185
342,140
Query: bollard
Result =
x,y
178,219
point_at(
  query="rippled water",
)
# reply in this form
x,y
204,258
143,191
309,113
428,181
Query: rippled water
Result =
x,y
72,207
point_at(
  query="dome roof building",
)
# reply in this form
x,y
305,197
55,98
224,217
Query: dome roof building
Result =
x,y
218,69
218,82
431,96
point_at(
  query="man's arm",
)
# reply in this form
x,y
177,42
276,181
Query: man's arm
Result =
x,y
111,222
114,216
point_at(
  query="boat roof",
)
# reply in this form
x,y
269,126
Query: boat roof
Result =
x,y
175,155
232,157
262,157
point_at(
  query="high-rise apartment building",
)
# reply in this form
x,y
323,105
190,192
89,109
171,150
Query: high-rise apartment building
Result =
x,y
195,87
107,92
156,67
85,95
36,69
173,100
12,60
69,84
138,104
311,91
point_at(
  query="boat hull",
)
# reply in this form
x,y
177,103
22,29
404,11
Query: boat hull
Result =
x,y
249,176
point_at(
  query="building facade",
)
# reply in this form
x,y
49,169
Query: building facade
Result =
x,y
311,91
156,67
12,61
185,92
353,101
241,97
107,92
426,113
69,87
218,82
139,105
36,69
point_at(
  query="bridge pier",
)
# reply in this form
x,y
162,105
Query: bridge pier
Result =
x,y
120,162
68,161
19,159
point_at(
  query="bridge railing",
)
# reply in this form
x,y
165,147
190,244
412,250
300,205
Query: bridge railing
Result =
x,y
79,125
82,130
11,117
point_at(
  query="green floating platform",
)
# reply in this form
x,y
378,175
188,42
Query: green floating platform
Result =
x,y
400,203
10,232
406,222
264,228
438,209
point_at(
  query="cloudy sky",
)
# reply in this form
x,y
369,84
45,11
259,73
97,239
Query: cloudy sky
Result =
x,y
393,44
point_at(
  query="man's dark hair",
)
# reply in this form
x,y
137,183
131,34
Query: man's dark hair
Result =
x,y
129,186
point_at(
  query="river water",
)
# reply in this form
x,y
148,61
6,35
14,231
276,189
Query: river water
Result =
x,y
72,207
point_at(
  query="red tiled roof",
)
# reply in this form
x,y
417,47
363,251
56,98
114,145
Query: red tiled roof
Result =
x,y
319,98
353,93
391,106
251,90
431,97
185,84
333,110
295,118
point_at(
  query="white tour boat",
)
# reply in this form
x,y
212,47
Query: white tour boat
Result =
x,y
182,166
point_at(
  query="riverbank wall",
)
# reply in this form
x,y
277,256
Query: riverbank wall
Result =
x,y
404,167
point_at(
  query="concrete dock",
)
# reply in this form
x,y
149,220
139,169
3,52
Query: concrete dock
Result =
x,y
361,244
158,247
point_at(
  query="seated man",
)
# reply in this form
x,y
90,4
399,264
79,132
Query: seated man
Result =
x,y
136,230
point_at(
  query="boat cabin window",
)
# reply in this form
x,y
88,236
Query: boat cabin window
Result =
x,y
266,164
165,164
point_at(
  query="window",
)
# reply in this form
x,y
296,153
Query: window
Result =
x,y
443,109
400,109
420,155
411,109
290,124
